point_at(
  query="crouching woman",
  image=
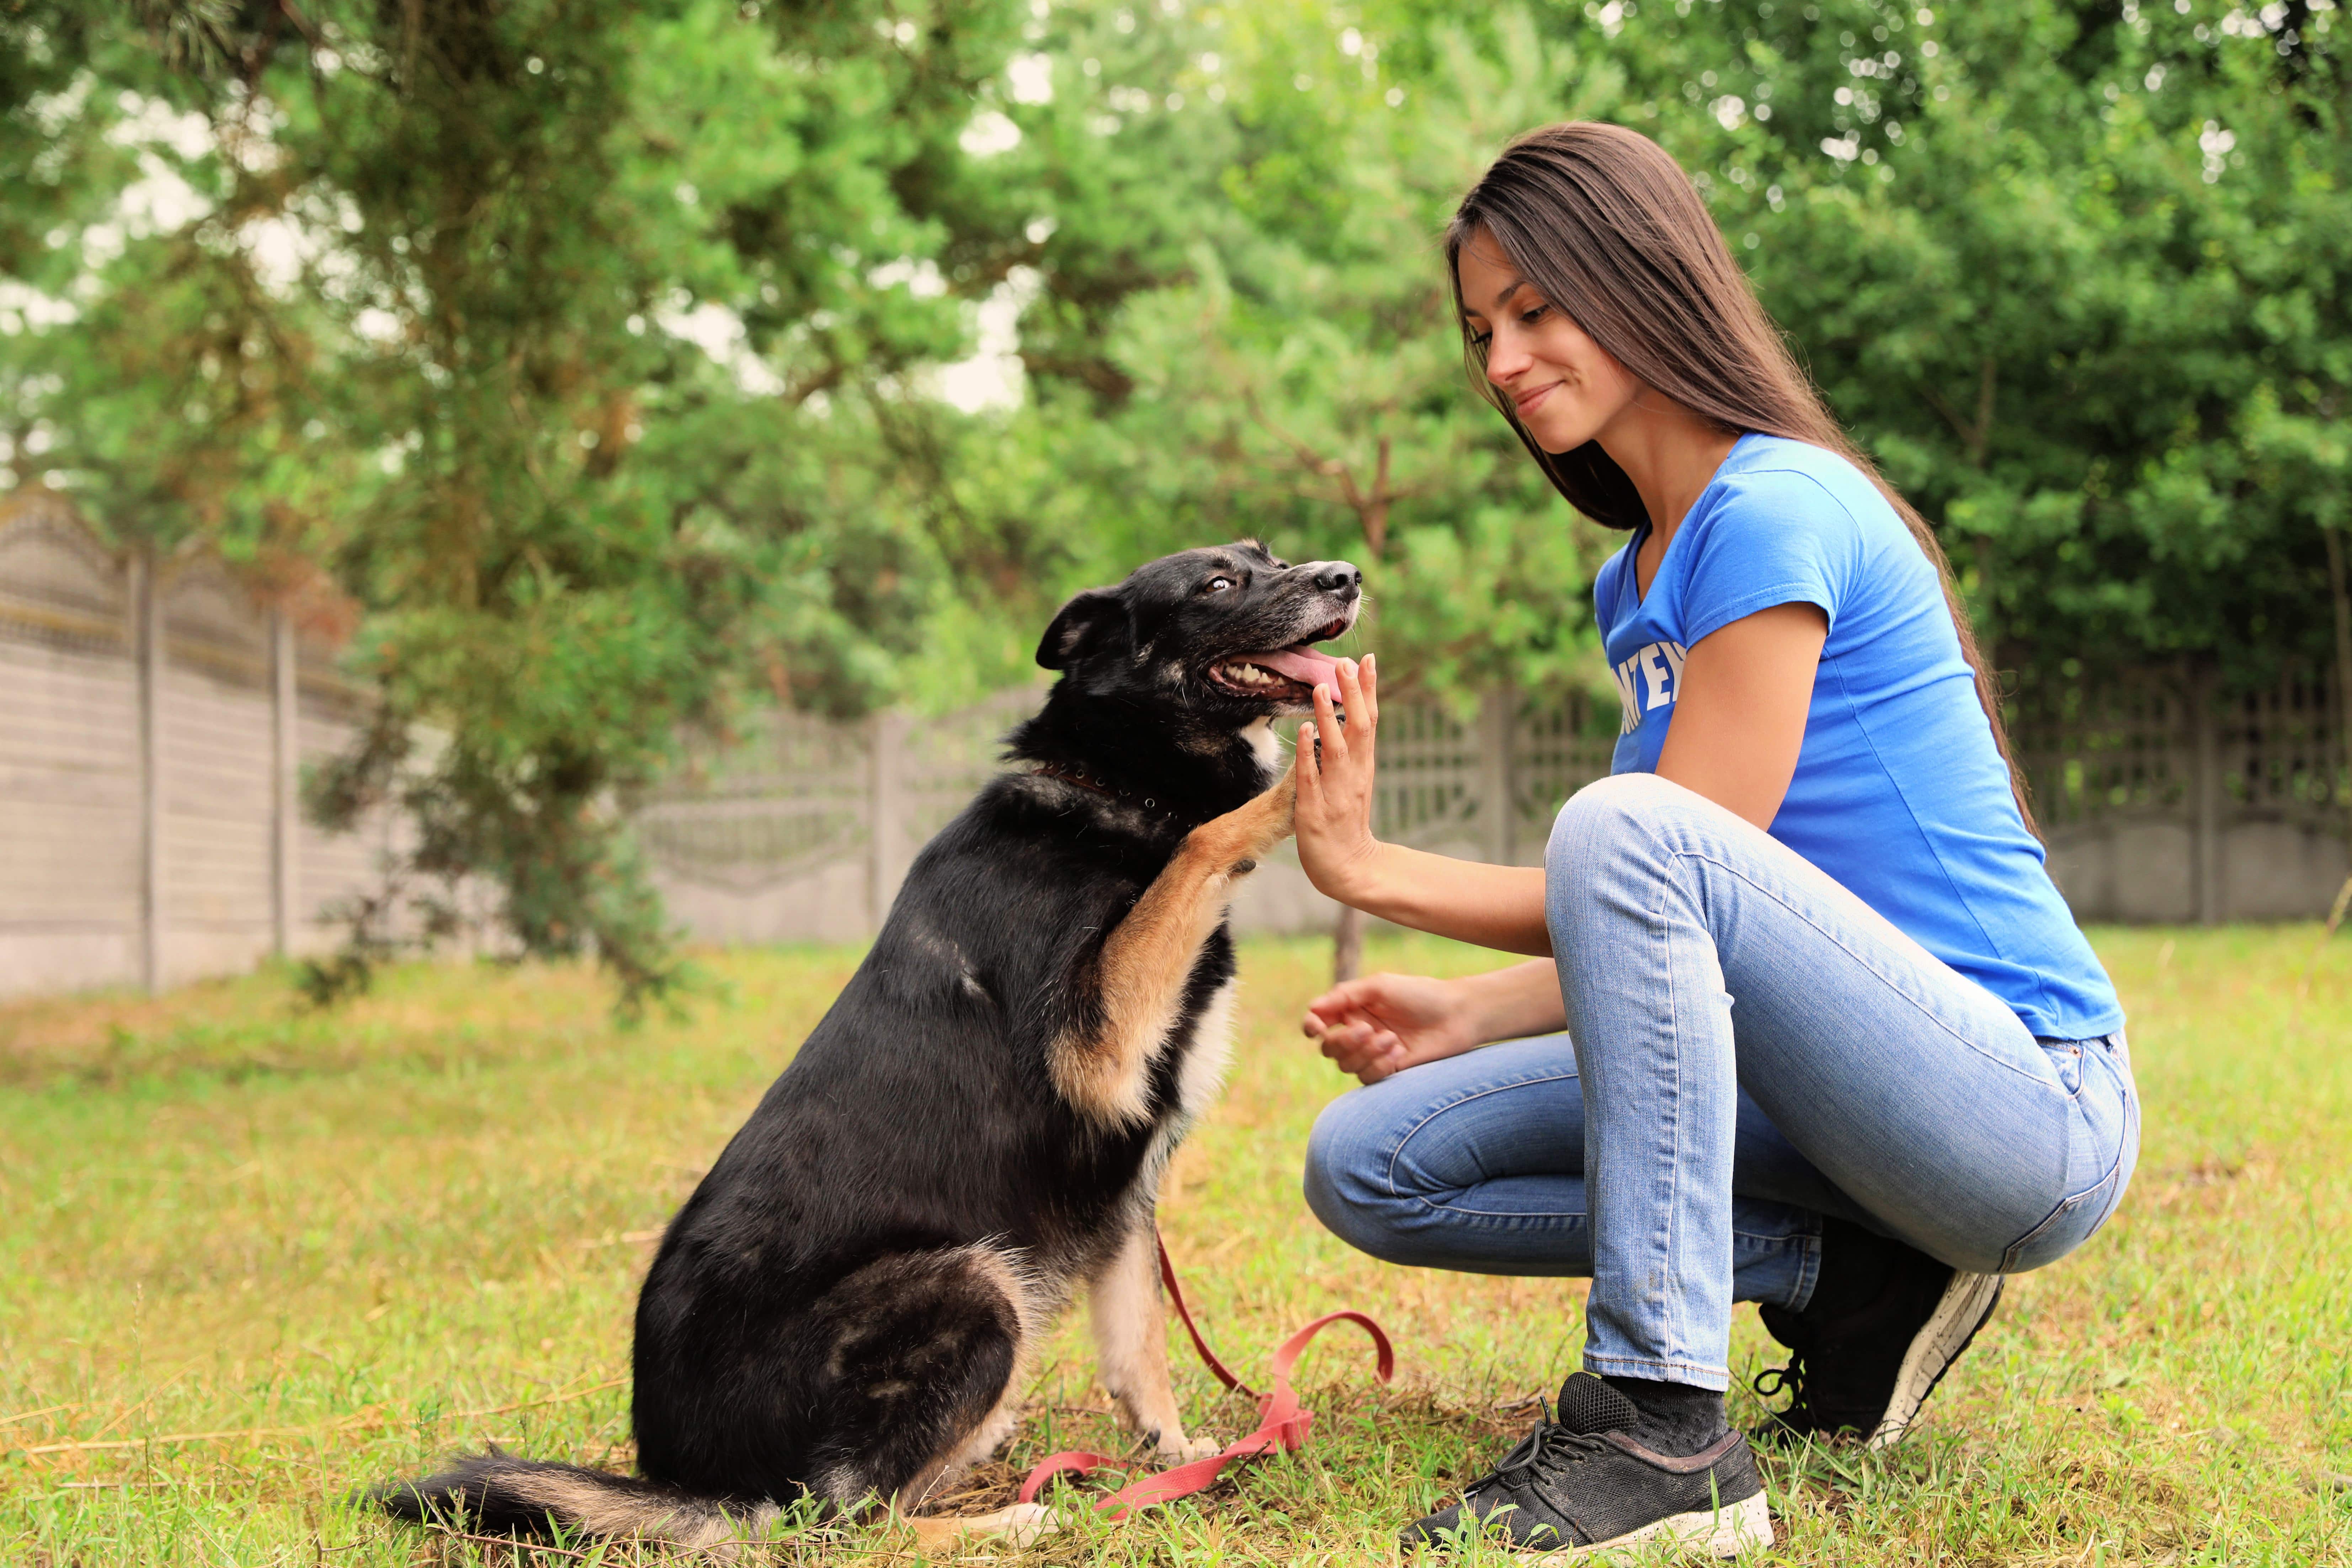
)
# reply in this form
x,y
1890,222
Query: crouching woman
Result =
x,y
1808,1025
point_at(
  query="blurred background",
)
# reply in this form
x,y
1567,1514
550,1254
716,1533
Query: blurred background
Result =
x,y
570,475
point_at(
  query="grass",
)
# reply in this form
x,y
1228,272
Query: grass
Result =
x,y
253,1257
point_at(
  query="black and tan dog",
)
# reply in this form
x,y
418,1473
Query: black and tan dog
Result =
x,y
846,1307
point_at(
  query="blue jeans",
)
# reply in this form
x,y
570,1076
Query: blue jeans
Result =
x,y
1761,1050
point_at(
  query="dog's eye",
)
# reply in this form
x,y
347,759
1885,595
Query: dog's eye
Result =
x,y
1219,584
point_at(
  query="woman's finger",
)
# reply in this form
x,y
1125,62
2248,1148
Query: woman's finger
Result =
x,y
1345,997
1327,726
1351,695
1371,698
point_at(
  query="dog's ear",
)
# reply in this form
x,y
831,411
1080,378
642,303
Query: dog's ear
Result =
x,y
1081,627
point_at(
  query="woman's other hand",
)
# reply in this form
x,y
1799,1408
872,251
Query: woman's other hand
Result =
x,y
1334,817
1382,1024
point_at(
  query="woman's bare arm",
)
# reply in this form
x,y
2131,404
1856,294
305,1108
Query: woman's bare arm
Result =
x,y
1740,707
1492,905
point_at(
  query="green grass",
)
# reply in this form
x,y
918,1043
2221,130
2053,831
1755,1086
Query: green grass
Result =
x,y
333,1247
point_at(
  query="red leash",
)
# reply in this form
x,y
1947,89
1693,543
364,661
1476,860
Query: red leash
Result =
x,y
1281,1423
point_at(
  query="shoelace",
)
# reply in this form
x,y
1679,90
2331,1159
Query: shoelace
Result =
x,y
1789,1379
1549,1449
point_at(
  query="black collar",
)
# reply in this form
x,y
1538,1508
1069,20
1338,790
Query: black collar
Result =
x,y
1088,782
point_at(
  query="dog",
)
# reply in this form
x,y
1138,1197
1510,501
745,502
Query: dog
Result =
x,y
849,1304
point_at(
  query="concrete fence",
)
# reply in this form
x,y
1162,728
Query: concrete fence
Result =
x,y
2160,801
155,718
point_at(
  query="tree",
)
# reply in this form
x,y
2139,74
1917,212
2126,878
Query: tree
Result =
x,y
519,313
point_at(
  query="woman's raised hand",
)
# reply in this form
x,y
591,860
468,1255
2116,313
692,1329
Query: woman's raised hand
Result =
x,y
1334,817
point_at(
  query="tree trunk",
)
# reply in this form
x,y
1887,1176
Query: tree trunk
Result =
x,y
2342,595
1347,945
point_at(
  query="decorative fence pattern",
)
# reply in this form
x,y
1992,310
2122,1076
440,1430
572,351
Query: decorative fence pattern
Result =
x,y
2162,800
152,724
2159,802
803,827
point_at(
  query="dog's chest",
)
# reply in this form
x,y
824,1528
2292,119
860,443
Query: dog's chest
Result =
x,y
1200,1077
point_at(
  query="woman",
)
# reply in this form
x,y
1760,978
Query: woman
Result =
x,y
1833,1043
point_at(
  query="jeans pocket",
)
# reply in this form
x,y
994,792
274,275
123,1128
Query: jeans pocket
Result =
x,y
2066,1059
2068,1226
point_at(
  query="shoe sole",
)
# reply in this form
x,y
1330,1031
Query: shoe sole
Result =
x,y
1726,1532
1965,1307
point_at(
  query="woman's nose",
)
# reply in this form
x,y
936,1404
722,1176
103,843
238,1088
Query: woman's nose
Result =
x,y
1505,359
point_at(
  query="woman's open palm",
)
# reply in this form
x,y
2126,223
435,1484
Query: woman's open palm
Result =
x,y
1336,772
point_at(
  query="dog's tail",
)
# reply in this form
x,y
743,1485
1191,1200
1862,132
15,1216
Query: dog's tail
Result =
x,y
495,1493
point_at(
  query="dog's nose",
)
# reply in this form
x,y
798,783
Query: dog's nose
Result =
x,y
1338,576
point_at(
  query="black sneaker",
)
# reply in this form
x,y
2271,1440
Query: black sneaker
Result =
x,y
1579,1485
1875,1340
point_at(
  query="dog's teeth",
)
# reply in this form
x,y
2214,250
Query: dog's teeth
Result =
x,y
1247,675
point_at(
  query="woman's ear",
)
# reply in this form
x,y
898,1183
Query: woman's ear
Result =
x,y
1081,628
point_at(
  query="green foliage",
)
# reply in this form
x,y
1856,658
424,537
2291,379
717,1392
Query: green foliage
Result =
x,y
600,347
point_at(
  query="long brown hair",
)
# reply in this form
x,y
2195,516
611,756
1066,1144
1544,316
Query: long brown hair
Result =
x,y
1608,228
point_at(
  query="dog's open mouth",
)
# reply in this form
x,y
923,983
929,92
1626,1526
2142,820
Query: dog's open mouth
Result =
x,y
1287,675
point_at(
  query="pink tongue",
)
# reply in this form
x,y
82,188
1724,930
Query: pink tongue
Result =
x,y
1304,665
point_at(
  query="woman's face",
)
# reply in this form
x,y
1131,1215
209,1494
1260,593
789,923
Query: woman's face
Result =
x,y
1566,387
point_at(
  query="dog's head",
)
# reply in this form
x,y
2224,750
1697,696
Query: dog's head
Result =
x,y
1223,634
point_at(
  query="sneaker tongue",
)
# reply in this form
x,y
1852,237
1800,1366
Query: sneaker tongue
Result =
x,y
1588,1405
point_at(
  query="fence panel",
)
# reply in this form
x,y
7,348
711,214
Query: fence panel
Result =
x,y
133,850
2164,800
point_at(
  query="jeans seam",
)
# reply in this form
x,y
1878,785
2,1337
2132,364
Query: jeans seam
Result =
x,y
1675,1337
1865,964
1639,1364
1397,1153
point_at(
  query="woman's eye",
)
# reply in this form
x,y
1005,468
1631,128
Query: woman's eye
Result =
x,y
1530,318
1219,584
1480,339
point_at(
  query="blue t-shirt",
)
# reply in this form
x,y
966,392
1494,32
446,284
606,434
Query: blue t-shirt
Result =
x,y
1899,792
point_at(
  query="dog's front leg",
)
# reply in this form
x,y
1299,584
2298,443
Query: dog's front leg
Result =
x,y
1131,1323
1100,1067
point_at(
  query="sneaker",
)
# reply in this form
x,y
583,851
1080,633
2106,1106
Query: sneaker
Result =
x,y
1867,1359
1578,1485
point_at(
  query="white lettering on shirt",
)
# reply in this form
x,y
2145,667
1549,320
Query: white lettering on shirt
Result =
x,y
1651,679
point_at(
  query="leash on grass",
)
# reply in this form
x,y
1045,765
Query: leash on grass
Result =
x,y
1282,1423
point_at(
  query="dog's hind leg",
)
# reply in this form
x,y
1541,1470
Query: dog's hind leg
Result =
x,y
921,1367
1130,1324
1102,1066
